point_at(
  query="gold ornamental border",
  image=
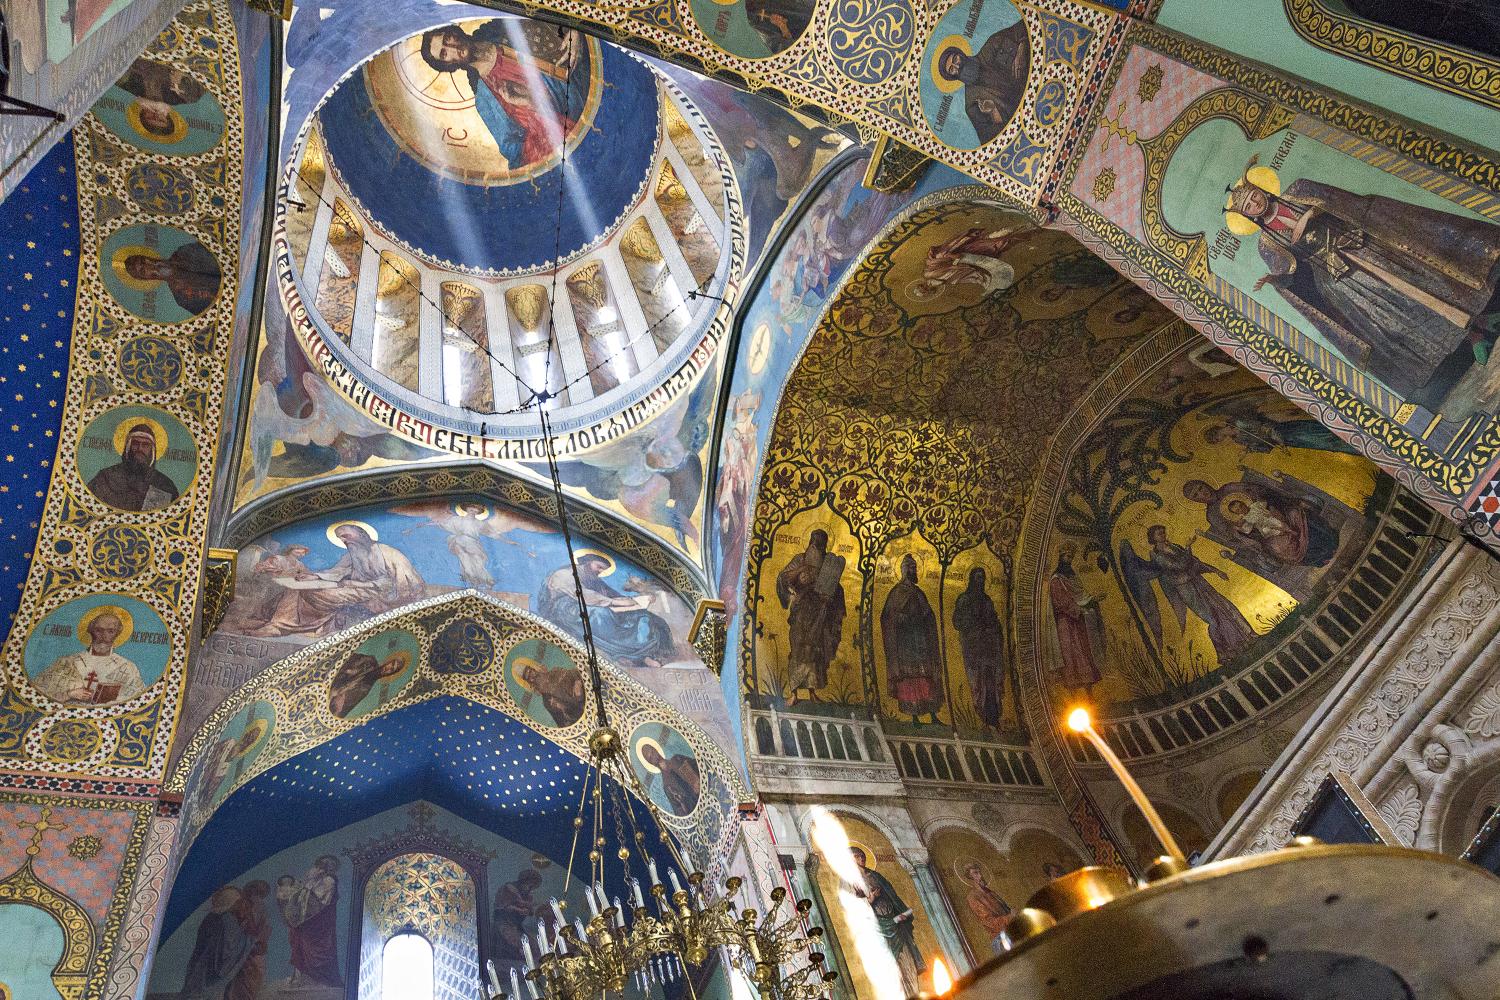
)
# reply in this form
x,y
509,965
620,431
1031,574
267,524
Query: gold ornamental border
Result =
x,y
81,546
297,689
1444,67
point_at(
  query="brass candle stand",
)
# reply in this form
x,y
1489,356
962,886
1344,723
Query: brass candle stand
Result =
x,y
1312,921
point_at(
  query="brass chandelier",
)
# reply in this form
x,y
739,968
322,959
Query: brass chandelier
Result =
x,y
657,940
682,925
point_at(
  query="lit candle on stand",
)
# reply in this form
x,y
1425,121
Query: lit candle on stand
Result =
x,y
1080,723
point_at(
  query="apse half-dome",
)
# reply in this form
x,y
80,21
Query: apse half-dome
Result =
x,y
495,210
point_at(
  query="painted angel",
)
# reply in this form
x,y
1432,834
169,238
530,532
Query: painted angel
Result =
x,y
467,524
657,472
327,433
1183,579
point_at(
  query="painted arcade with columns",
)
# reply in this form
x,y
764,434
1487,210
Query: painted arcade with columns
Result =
x,y
913,373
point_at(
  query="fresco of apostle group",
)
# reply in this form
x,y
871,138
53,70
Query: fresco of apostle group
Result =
x,y
939,654
321,576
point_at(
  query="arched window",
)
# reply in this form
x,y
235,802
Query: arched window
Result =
x,y
1469,24
406,968
431,898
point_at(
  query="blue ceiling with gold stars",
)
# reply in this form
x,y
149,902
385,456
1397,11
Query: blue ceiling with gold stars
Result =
x,y
40,223
473,761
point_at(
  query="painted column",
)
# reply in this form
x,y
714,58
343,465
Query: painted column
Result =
x,y
682,273
632,316
497,325
950,938
317,241
362,338
711,216
570,346
430,336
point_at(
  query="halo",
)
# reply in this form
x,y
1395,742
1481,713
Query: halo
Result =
x,y
404,655
333,528
127,624
483,515
961,863
1262,177
122,430
869,854
1238,224
640,759
602,555
259,727
179,125
515,671
122,254
942,83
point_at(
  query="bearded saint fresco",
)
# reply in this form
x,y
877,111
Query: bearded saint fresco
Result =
x,y
622,626
310,908
134,482
913,658
529,106
982,644
809,587
160,89
371,577
993,79
1080,627
1410,294
893,919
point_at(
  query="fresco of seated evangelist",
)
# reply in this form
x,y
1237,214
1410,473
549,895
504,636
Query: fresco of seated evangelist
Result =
x,y
1199,524
321,576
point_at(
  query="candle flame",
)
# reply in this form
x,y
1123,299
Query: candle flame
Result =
x,y
942,981
1079,720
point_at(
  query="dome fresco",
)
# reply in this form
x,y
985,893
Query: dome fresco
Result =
x,y
494,208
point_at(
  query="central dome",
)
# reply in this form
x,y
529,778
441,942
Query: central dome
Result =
x,y
493,208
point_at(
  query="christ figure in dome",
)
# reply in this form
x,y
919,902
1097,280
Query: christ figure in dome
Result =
x,y
529,105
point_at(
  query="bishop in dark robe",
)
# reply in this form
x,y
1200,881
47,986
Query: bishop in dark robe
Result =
x,y
134,482
1398,288
913,662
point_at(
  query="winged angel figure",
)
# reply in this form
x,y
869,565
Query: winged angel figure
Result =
x,y
467,524
329,433
657,472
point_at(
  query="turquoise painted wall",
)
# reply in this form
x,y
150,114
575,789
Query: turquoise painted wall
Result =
x,y
33,945
1259,30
